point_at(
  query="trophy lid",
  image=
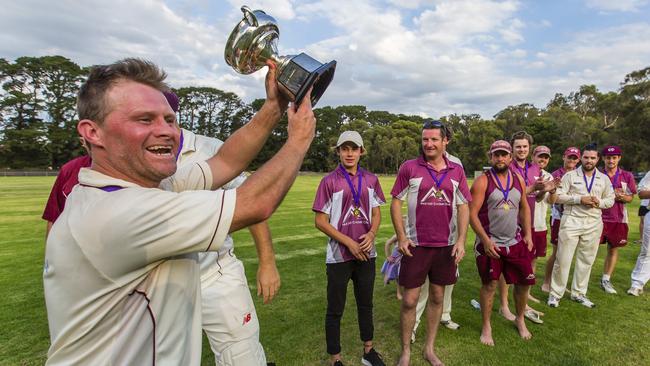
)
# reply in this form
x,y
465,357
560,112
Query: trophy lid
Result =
x,y
252,41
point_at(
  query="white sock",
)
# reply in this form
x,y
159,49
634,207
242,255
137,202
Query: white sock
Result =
x,y
605,277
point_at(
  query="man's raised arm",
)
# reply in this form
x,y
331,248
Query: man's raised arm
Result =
x,y
241,147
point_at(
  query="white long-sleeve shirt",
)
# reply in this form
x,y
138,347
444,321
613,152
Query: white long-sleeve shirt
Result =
x,y
573,188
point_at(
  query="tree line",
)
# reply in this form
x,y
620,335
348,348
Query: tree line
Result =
x,y
38,121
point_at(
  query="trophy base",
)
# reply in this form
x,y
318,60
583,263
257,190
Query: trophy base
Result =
x,y
300,73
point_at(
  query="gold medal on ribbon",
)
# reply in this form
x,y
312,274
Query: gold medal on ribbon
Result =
x,y
439,194
506,206
356,212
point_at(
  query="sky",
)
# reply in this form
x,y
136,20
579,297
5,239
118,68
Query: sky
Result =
x,y
423,57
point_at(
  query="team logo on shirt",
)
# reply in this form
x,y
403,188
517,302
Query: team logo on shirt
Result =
x,y
355,215
436,197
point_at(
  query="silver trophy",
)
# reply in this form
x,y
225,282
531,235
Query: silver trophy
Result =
x,y
255,40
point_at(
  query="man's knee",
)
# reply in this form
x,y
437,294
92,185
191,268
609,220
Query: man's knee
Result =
x,y
245,352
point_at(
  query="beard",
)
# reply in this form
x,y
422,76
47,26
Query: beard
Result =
x,y
588,168
501,169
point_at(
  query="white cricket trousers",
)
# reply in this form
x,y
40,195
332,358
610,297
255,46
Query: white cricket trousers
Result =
x,y
641,273
422,303
229,318
579,236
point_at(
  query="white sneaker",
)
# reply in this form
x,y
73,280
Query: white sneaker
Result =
x,y
607,286
635,291
583,300
553,301
450,324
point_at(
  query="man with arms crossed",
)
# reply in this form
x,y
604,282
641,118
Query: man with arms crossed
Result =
x,y
503,248
437,194
121,278
641,273
347,211
615,218
570,160
584,192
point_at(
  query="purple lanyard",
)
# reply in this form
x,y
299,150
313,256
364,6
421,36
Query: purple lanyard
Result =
x,y
356,195
180,147
505,192
523,171
591,184
615,180
436,181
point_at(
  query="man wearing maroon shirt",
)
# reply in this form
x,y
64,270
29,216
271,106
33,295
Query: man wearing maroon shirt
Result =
x,y
500,217
521,143
438,214
570,160
615,218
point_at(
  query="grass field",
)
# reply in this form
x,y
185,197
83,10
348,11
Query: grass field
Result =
x,y
292,326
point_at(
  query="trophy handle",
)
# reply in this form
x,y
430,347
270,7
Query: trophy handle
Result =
x,y
250,17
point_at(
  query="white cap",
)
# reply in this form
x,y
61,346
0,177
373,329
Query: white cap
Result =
x,y
351,136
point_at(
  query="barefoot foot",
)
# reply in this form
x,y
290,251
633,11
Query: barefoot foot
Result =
x,y
546,287
486,337
506,313
523,331
432,358
404,359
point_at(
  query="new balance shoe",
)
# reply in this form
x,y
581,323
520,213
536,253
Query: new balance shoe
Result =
x,y
450,324
607,286
583,300
553,301
635,291
372,358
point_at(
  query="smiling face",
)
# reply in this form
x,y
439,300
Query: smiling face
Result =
x,y
521,148
434,144
542,160
570,161
349,154
611,161
138,139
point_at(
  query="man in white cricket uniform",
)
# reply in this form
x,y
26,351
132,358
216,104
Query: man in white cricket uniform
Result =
x,y
229,318
121,277
641,273
584,192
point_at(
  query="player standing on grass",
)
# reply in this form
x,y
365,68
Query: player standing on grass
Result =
x,y
615,220
500,217
641,273
222,275
347,211
570,160
434,243
584,192
121,277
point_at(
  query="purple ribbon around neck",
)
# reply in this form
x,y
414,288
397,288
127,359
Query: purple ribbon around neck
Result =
x,y
180,147
506,191
616,177
524,171
356,195
590,184
436,181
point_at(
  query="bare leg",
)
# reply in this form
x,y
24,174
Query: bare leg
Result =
x,y
503,297
521,295
546,286
531,297
399,292
407,317
434,313
610,261
487,298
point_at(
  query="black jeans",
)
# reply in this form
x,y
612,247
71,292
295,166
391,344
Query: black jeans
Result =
x,y
363,279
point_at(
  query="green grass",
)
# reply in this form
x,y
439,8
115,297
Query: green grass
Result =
x,y
292,326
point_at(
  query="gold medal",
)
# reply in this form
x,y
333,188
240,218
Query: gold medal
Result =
x,y
506,206
356,212
438,194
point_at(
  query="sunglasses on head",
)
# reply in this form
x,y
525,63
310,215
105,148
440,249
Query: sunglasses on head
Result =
x,y
432,124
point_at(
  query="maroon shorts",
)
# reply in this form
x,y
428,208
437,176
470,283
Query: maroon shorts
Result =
x,y
614,234
514,263
437,263
555,231
539,243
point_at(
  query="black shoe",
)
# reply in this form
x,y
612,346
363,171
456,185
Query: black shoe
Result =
x,y
372,358
338,363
